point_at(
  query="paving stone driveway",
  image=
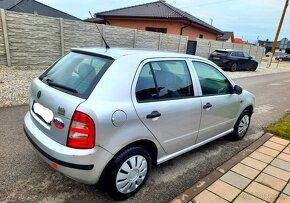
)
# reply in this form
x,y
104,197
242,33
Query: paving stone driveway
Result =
x,y
261,176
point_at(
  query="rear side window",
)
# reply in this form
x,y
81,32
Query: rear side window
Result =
x,y
164,80
76,73
220,53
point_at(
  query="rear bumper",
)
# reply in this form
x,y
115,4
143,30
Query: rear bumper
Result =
x,y
83,165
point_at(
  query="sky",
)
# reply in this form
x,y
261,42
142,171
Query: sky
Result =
x,y
248,19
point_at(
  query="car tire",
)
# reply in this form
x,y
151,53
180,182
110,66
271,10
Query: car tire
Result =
x,y
242,125
234,67
254,68
128,172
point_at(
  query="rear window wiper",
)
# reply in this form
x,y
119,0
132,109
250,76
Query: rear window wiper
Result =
x,y
51,83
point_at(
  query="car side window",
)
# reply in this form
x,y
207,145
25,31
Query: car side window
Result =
x,y
240,54
234,54
164,80
146,89
212,81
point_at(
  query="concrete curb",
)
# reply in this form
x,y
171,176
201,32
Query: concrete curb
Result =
x,y
202,184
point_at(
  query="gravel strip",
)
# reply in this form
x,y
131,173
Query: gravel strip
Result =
x,y
15,81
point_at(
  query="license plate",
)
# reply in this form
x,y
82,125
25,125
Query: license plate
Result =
x,y
43,112
217,58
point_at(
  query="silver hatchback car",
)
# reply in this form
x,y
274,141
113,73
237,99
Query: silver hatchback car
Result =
x,y
107,116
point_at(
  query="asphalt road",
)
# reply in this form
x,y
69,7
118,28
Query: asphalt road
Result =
x,y
24,177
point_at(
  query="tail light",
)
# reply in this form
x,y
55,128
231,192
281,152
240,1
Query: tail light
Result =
x,y
81,133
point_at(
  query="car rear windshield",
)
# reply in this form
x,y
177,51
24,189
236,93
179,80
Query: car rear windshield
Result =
x,y
77,73
220,53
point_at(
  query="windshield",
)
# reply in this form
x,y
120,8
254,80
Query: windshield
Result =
x,y
76,73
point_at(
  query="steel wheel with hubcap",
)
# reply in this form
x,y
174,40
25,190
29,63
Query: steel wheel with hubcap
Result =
x,y
131,174
242,125
128,172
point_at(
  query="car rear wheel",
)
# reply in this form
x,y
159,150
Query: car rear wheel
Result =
x,y
242,125
128,172
254,67
234,67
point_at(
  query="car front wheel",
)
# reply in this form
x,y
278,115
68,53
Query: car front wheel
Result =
x,y
128,172
242,125
254,67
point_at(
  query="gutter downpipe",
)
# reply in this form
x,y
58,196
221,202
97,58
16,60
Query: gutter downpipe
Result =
x,y
181,30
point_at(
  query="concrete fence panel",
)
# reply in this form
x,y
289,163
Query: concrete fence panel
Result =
x,y
79,34
170,43
228,45
27,39
147,40
119,37
33,40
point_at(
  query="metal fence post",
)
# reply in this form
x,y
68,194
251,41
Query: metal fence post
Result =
x,y
5,35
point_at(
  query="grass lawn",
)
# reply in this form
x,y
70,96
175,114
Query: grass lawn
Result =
x,y
281,128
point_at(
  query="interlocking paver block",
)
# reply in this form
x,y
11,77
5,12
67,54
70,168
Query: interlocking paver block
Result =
x,y
259,165
274,145
246,198
283,199
262,157
236,180
281,164
271,181
207,196
245,171
263,192
277,172
268,151
279,140
284,156
287,150
287,189
224,190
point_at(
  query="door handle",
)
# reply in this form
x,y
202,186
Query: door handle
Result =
x,y
154,114
207,106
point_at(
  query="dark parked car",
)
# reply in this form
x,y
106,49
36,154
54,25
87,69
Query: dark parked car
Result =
x,y
283,58
233,60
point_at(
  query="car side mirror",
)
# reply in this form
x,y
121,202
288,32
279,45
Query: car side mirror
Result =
x,y
238,90
250,57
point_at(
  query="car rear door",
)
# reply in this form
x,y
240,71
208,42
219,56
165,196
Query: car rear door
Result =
x,y
163,94
219,106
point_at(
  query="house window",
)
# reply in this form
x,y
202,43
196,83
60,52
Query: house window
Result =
x,y
200,36
155,29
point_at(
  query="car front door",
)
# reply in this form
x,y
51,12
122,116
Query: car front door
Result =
x,y
220,106
248,61
242,61
164,98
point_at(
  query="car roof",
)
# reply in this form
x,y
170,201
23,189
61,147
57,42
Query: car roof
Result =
x,y
228,50
116,53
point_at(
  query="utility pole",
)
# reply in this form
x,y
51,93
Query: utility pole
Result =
x,y
278,31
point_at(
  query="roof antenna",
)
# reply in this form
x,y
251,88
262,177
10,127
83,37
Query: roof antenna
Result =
x,y
107,46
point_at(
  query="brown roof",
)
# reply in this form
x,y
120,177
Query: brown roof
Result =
x,y
158,9
226,36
